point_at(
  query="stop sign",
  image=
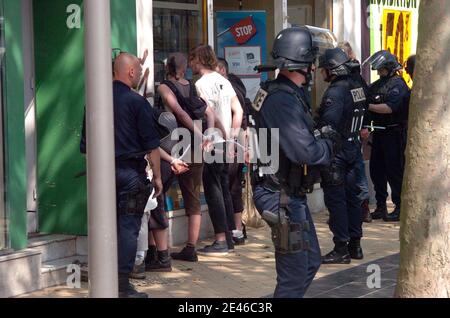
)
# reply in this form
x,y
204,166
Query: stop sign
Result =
x,y
244,30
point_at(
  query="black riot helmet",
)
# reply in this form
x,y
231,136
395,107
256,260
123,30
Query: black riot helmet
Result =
x,y
293,49
334,61
384,59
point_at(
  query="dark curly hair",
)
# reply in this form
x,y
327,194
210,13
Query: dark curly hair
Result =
x,y
205,55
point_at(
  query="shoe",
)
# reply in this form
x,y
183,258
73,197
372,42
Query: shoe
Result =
x,y
230,242
367,217
379,213
162,264
355,250
339,255
138,271
216,249
239,240
187,254
126,290
394,216
244,231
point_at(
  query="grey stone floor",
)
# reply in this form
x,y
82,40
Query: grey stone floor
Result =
x,y
353,282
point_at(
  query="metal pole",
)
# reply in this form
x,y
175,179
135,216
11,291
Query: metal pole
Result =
x,y
103,272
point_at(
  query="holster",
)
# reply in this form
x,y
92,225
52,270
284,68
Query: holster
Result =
x,y
134,202
287,237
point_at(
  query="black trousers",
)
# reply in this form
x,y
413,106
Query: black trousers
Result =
x,y
387,163
218,197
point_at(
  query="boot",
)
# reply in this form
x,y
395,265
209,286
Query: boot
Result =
x,y
355,250
367,217
138,271
379,213
126,290
339,255
244,231
152,256
162,264
187,254
394,216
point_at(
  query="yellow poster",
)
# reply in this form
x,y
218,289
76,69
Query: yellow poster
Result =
x,y
397,30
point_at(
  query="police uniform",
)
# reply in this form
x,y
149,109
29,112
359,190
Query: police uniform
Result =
x,y
343,108
135,136
389,138
285,108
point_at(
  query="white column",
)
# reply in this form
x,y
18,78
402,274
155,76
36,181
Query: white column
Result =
x,y
144,21
102,226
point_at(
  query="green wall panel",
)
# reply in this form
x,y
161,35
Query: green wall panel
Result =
x,y
14,127
60,101
123,25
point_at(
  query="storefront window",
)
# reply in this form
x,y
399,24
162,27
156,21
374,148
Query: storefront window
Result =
x,y
176,28
3,224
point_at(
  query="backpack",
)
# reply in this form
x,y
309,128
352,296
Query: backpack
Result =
x,y
165,123
193,105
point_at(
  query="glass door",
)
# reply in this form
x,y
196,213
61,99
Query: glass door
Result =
x,y
3,223
177,27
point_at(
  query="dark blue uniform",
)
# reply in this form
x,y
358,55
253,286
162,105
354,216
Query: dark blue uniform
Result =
x,y
298,146
135,136
388,146
341,190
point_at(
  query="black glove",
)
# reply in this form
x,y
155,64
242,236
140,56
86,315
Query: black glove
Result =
x,y
327,132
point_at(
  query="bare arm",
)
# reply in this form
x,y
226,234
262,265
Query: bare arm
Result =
x,y
171,101
154,160
380,108
238,115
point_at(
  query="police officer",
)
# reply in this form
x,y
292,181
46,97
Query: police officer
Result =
x,y
343,107
388,118
135,138
281,195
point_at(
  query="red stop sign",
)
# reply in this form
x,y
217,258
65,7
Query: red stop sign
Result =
x,y
244,30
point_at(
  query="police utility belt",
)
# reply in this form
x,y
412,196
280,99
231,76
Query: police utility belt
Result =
x,y
133,202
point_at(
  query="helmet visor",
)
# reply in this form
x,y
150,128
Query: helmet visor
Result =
x,y
323,39
376,61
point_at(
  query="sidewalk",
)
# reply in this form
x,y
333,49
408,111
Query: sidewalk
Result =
x,y
250,271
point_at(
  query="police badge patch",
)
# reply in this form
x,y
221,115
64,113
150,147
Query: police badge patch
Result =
x,y
259,99
358,95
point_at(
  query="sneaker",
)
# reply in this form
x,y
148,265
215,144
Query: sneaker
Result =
x,y
187,254
216,249
239,240
138,271
230,242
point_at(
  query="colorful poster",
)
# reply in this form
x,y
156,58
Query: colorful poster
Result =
x,y
394,27
397,31
242,41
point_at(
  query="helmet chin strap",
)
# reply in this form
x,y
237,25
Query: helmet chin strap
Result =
x,y
307,75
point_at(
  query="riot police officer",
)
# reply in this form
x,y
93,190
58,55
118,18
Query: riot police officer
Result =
x,y
388,118
281,195
343,108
